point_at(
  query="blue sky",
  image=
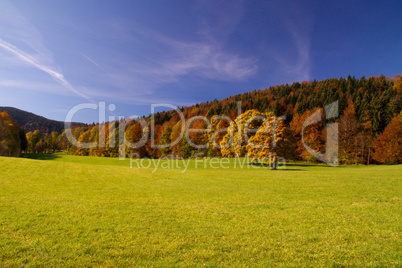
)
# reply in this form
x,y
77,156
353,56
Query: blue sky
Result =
x,y
58,54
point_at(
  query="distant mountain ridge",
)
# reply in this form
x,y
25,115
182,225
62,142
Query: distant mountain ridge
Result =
x,y
31,122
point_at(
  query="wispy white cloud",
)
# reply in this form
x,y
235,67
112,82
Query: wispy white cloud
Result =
x,y
92,61
14,26
31,85
218,19
33,62
294,58
132,75
170,60
298,66
206,59
159,60
114,96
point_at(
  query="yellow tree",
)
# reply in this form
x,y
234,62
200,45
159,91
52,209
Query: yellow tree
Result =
x,y
112,143
273,139
53,144
165,141
83,139
103,138
62,141
94,138
216,131
234,143
30,147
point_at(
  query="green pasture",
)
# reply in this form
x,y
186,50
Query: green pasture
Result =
x,y
63,210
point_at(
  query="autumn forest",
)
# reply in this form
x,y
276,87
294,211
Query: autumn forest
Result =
x,y
369,126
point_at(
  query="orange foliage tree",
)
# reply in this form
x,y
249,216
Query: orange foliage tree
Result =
x,y
313,134
348,135
388,145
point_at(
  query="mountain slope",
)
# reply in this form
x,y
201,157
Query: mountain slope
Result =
x,y
32,122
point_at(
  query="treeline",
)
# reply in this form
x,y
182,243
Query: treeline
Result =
x,y
368,118
38,142
267,136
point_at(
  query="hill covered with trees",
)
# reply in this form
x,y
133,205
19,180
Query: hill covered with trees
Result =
x,y
32,122
369,111
368,122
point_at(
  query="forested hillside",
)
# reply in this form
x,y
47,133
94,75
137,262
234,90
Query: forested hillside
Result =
x,y
32,122
376,99
369,122
369,119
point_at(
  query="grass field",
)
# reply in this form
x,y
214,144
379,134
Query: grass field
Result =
x,y
86,211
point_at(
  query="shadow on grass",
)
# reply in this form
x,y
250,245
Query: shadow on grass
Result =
x,y
300,165
40,156
308,165
278,168
293,169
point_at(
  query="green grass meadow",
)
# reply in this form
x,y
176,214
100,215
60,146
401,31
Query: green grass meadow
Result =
x,y
63,210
